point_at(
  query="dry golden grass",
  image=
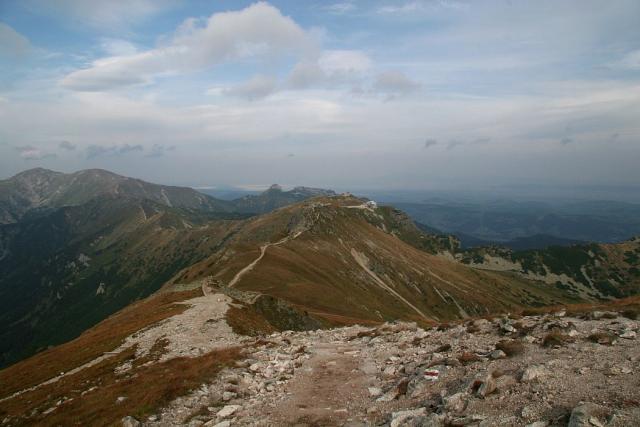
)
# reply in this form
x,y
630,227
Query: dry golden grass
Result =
x,y
510,347
247,321
105,336
604,338
466,358
146,388
553,339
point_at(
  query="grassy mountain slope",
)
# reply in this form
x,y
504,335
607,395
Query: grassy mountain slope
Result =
x,y
342,262
592,271
65,270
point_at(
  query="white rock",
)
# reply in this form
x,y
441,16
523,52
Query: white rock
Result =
x,y
398,418
455,403
129,421
228,395
628,334
498,354
533,373
227,411
375,391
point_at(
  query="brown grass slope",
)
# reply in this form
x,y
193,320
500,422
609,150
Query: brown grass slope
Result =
x,y
349,263
104,337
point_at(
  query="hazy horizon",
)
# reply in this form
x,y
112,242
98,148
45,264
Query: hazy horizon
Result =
x,y
416,95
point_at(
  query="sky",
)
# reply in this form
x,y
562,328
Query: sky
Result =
x,y
383,94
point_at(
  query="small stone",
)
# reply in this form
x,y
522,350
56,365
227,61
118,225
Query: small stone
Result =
x,y
129,421
484,386
389,371
455,403
628,334
228,395
527,412
498,354
595,422
583,416
538,424
374,391
227,411
505,382
121,399
401,418
533,373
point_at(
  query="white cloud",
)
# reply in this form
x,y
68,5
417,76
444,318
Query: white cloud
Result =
x,y
394,83
110,15
12,44
332,67
340,8
630,61
260,30
29,152
255,88
118,47
344,62
420,6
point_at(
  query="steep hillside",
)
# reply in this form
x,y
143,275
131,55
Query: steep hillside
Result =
x,y
593,271
64,270
42,188
345,262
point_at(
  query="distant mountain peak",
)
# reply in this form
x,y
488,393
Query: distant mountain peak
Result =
x,y
275,187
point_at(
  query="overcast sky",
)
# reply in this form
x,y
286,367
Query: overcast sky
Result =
x,y
372,94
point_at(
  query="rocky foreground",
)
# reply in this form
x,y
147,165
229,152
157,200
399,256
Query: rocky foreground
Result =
x,y
545,370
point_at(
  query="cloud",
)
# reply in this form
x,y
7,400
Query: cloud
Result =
x,y
13,45
344,62
255,88
159,150
430,143
340,8
454,143
566,140
420,6
118,47
630,61
331,68
94,151
111,15
29,152
394,83
66,145
259,31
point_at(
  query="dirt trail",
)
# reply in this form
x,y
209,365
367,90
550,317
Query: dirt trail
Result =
x,y
263,251
327,390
